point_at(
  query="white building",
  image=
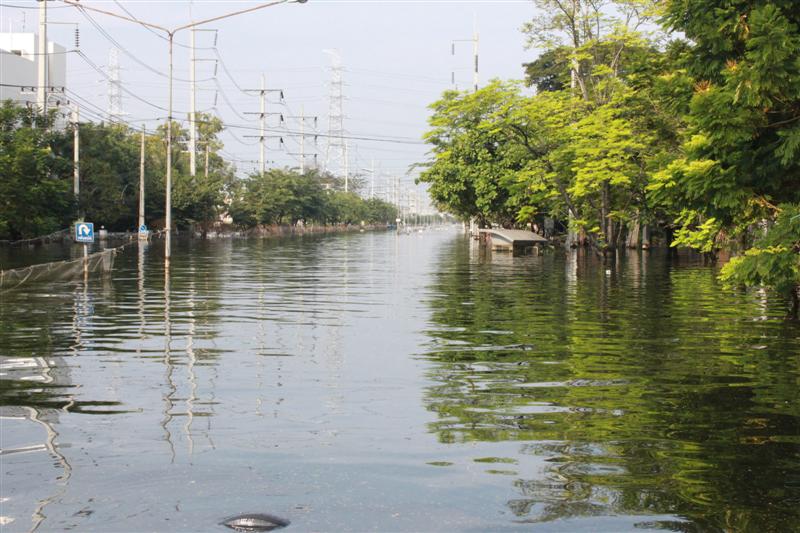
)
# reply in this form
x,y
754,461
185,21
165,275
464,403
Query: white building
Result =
x,y
19,56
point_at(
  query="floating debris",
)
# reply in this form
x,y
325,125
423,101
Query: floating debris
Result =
x,y
254,522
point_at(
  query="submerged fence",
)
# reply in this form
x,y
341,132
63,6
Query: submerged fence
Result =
x,y
99,262
57,236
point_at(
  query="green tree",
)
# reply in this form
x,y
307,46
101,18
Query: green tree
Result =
x,y
286,196
741,159
109,175
471,158
200,199
35,174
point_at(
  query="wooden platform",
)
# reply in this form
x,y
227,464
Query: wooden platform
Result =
x,y
514,240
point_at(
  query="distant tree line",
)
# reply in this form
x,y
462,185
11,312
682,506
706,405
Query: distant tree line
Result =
x,y
626,134
36,169
286,197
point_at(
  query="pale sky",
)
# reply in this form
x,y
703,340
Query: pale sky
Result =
x,y
396,55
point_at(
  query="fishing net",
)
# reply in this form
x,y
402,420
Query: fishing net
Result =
x,y
57,236
100,262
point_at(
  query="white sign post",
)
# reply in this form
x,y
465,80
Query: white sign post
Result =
x,y
84,232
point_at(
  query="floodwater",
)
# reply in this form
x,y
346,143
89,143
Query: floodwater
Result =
x,y
383,382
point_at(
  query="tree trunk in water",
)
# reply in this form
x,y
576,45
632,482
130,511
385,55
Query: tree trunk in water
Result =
x,y
620,237
645,237
794,312
605,223
572,235
633,234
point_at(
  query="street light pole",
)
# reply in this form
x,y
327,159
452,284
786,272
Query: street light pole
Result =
x,y
192,103
171,36
168,194
41,64
141,184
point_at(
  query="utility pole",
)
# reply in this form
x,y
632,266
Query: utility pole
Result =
x,y
192,108
141,181
262,123
262,92
206,174
475,42
76,152
168,178
335,151
371,171
346,165
303,118
193,96
115,113
41,93
302,139
371,178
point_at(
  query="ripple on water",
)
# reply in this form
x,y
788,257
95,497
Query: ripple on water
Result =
x,y
343,369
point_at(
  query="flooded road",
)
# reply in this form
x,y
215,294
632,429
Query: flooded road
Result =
x,y
376,382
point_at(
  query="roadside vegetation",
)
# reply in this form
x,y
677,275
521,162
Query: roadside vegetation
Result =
x,y
36,172
688,133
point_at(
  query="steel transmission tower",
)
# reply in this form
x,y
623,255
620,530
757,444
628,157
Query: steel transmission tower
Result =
x,y
336,152
114,87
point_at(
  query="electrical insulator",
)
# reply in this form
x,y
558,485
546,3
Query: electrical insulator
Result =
x,y
77,38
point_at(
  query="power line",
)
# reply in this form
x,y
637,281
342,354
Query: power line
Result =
x,y
36,53
31,7
228,102
122,88
353,137
103,114
125,51
107,77
154,32
228,73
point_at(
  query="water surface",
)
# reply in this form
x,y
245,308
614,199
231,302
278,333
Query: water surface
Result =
x,y
397,383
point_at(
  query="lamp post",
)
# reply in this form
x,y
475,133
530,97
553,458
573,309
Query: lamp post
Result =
x,y
170,39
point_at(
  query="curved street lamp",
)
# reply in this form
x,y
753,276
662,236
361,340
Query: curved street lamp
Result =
x,y
170,38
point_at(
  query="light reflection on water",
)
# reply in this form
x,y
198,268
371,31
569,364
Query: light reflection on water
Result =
x,y
382,382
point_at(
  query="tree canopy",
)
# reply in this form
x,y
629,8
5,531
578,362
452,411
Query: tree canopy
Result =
x,y
691,132
36,179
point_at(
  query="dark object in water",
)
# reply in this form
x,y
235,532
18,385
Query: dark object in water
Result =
x,y
254,522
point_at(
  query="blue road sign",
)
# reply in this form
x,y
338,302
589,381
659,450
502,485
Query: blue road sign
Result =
x,y
142,229
84,232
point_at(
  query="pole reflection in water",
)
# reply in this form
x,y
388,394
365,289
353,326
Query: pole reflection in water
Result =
x,y
171,388
191,360
415,381
140,256
52,448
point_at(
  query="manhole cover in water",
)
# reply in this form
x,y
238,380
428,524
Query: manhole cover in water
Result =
x,y
254,522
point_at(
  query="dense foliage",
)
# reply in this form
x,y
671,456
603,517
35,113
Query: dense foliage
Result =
x,y
696,138
35,197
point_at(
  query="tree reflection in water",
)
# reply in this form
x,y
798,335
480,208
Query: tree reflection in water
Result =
x,y
639,385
